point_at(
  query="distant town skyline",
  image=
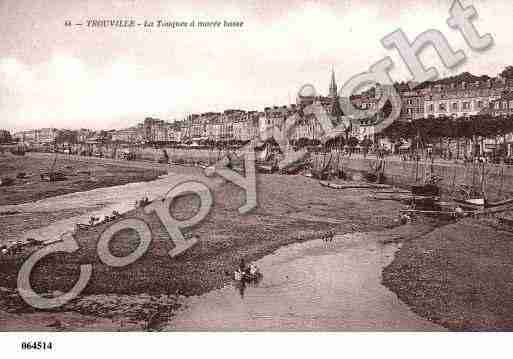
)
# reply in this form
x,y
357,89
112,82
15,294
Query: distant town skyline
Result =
x,y
79,77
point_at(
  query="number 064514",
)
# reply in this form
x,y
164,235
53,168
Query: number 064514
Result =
x,y
36,345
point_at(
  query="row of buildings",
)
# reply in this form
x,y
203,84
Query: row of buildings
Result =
x,y
5,136
458,96
228,125
40,135
238,125
51,135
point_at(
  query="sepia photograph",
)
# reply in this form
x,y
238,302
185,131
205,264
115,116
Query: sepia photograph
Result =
x,y
282,166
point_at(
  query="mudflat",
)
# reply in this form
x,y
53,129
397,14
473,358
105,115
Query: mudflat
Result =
x,y
459,276
80,176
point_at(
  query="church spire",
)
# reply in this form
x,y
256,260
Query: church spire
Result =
x,y
334,109
333,85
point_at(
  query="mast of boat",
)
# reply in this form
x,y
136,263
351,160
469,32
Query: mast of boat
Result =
x,y
474,139
417,155
502,180
338,163
483,185
53,166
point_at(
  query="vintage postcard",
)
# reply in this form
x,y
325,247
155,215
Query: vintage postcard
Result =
x,y
263,166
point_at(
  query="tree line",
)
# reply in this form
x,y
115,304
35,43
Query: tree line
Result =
x,y
431,129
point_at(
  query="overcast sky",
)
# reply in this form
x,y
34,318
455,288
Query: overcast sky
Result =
x,y
51,75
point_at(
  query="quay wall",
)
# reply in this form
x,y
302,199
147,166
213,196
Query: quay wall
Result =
x,y
180,154
498,179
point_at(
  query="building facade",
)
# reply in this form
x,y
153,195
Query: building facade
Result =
x,y
38,136
462,98
5,136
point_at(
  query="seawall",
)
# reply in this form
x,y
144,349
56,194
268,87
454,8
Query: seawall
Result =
x,y
498,179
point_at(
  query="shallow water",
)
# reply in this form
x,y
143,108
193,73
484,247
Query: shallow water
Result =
x,y
309,286
120,198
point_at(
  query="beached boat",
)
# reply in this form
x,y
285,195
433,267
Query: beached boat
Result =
x,y
353,185
425,190
265,169
53,177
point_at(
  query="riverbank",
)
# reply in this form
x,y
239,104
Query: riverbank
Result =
x,y
459,276
291,209
17,222
81,175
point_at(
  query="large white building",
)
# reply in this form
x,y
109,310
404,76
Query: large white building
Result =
x,y
461,99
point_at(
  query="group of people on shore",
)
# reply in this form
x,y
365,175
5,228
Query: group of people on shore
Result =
x,y
96,220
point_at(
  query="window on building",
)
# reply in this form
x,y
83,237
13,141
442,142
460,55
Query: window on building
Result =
x,y
497,105
505,105
431,108
455,106
466,105
442,107
480,104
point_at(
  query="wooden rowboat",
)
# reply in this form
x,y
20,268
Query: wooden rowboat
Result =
x,y
355,185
